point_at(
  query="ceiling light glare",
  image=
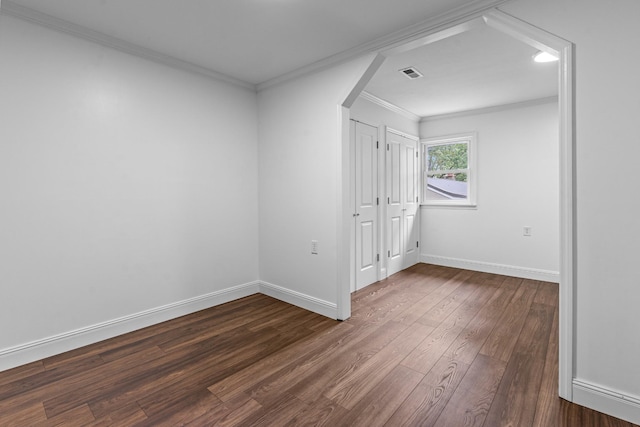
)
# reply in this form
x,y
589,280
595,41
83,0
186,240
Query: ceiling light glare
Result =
x,y
541,56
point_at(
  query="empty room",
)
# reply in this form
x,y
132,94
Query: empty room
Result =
x,y
283,212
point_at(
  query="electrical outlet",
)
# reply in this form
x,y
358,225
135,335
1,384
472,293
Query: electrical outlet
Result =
x,y
526,231
314,247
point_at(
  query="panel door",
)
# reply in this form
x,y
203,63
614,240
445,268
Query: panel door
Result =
x,y
411,203
395,205
366,203
402,221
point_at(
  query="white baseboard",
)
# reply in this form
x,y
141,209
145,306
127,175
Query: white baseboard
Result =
x,y
606,401
486,267
46,347
307,302
57,344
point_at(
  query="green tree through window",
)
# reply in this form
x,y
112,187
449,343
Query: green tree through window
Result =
x,y
448,159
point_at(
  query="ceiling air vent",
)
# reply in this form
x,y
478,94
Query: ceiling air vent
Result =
x,y
411,73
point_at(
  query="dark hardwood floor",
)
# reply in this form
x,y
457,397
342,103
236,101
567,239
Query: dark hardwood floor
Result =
x,y
430,346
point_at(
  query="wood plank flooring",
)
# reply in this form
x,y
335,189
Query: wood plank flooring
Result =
x,y
429,346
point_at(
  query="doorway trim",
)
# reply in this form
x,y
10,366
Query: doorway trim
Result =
x,y
563,49
541,40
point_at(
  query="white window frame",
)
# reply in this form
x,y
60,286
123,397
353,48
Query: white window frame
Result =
x,y
471,138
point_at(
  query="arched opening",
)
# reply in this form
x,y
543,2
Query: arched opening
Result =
x,y
543,41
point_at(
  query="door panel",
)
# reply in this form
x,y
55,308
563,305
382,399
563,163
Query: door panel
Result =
x,y
395,172
367,178
366,195
396,237
410,238
366,242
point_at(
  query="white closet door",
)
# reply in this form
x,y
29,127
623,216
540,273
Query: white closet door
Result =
x,y
411,205
366,194
395,238
402,222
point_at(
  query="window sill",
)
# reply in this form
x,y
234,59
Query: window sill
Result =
x,y
451,206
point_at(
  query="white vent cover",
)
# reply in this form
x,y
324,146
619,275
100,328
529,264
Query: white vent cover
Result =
x,y
411,73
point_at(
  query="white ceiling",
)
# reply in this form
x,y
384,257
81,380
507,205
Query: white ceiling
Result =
x,y
476,69
251,40
256,41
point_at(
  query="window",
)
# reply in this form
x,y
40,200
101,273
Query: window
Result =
x,y
449,170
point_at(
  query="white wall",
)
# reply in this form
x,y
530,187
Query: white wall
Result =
x,y
126,186
301,185
518,185
607,67
87,234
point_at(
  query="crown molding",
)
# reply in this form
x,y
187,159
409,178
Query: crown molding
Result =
x,y
403,134
411,33
389,106
492,109
27,14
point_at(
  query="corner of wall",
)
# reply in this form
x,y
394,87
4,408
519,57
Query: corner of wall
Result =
x,y
49,346
493,268
324,308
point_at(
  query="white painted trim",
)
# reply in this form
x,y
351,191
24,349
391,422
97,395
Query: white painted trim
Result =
x,y
436,34
27,14
363,81
42,348
57,344
551,43
389,106
525,32
301,300
463,14
345,228
403,134
437,23
488,267
607,401
459,207
568,224
364,123
493,109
